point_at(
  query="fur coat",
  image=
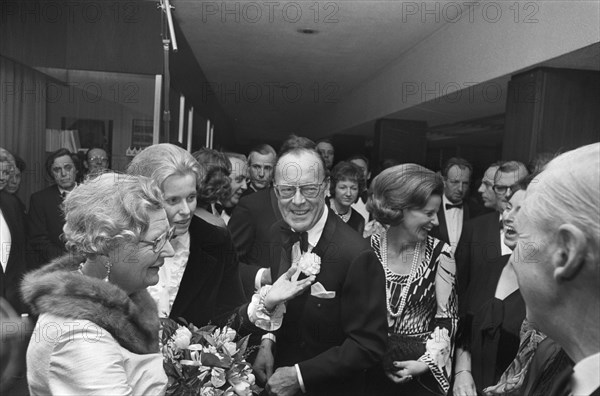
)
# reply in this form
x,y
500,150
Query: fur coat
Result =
x,y
59,289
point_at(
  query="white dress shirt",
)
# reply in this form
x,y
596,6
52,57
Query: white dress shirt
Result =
x,y
170,276
585,379
314,234
5,242
454,222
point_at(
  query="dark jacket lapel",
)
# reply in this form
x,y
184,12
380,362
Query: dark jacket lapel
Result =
x,y
443,227
198,271
327,235
274,204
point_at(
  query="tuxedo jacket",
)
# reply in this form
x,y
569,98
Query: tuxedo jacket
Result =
x,y
10,279
45,224
479,249
334,340
250,226
210,289
470,210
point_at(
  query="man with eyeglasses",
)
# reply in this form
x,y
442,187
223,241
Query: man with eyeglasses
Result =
x,y
45,218
331,334
250,227
96,161
482,241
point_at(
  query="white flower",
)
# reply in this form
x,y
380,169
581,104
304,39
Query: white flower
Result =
x,y
217,377
309,264
182,337
242,388
209,391
231,347
438,346
228,333
250,378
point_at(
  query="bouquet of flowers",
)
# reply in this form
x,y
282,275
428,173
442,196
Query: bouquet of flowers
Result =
x,y
206,361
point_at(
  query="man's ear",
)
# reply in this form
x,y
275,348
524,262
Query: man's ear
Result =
x,y
569,253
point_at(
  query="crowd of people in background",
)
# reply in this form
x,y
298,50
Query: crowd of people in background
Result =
x,y
418,282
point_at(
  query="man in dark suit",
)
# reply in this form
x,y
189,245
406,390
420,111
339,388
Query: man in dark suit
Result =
x,y
332,334
557,262
261,160
250,226
455,210
45,217
13,246
481,243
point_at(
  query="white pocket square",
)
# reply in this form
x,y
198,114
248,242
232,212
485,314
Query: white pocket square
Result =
x,y
317,290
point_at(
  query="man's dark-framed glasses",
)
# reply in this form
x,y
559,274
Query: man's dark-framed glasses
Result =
x,y
285,191
159,243
500,189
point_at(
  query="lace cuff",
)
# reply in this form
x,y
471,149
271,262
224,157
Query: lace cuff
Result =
x,y
260,316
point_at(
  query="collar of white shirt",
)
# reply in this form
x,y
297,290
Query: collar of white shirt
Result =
x,y
585,378
314,234
61,191
447,201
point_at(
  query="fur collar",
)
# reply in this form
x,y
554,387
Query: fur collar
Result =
x,y
59,289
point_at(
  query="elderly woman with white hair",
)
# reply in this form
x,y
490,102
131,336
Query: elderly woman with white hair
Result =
x,y
557,262
97,331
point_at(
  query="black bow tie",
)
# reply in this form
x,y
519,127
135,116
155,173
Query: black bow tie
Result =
x,y
220,208
293,237
454,206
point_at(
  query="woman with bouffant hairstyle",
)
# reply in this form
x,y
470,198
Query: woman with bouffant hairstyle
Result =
x,y
97,331
347,181
420,283
214,184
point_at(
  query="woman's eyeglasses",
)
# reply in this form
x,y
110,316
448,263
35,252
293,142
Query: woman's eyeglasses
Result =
x,y
159,243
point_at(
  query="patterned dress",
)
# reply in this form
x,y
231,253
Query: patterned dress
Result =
x,y
430,314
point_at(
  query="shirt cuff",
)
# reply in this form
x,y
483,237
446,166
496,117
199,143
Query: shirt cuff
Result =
x,y
269,336
260,317
300,381
258,278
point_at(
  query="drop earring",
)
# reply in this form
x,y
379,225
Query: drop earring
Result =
x,y
108,266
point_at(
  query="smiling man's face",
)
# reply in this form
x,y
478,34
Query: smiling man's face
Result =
x,y
304,169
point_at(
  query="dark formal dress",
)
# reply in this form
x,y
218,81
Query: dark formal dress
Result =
x,y
17,264
354,219
478,250
210,289
430,314
45,224
250,226
333,340
491,327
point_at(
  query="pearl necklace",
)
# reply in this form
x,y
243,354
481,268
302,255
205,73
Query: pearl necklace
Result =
x,y
411,277
345,217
